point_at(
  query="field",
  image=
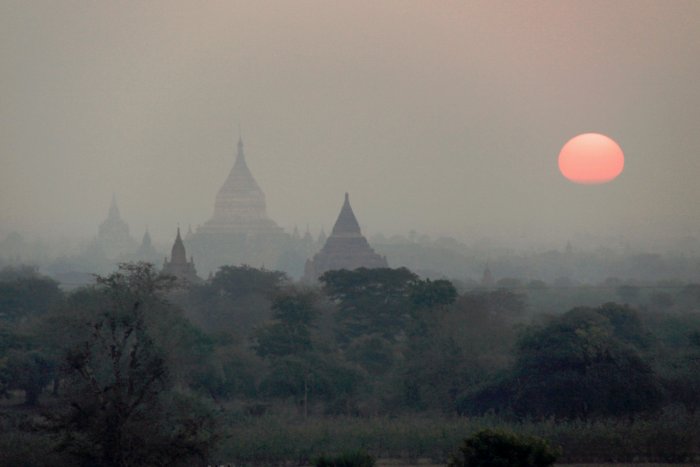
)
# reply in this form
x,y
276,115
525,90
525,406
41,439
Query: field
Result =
x,y
270,440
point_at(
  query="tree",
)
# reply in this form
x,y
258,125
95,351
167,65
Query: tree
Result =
x,y
239,281
235,300
25,293
294,314
346,459
432,373
27,369
431,368
370,300
121,408
683,385
584,363
298,366
493,448
427,294
26,363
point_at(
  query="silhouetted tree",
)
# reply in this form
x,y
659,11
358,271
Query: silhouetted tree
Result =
x,y
370,301
122,409
492,448
24,293
235,300
289,333
298,367
585,363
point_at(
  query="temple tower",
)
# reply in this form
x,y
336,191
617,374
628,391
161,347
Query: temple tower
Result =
x,y
240,206
147,252
345,248
113,234
239,231
178,265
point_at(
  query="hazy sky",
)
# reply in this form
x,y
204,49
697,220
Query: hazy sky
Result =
x,y
443,117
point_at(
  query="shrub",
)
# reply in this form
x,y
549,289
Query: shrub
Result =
x,y
346,459
491,448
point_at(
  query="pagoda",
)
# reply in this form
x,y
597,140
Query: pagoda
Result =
x,y
147,252
178,265
113,234
240,206
239,231
345,248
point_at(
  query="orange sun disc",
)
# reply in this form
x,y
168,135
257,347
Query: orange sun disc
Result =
x,y
591,158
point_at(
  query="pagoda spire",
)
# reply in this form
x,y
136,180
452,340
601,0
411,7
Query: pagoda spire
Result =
x,y
178,254
240,154
347,222
146,241
113,208
178,265
346,248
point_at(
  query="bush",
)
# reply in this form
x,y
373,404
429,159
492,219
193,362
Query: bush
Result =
x,y
490,448
346,459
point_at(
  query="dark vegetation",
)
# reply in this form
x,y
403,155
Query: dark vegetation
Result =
x,y
346,459
253,369
489,448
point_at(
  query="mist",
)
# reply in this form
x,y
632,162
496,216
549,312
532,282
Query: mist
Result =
x,y
336,233
445,119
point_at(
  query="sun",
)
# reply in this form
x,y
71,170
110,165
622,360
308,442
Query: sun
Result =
x,y
591,158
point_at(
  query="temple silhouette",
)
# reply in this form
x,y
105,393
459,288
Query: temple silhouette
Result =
x,y
113,237
239,232
345,248
178,266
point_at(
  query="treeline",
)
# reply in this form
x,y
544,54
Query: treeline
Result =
x,y
140,370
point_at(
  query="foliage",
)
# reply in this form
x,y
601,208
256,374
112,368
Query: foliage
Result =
x,y
25,364
429,294
274,439
584,363
380,352
346,459
120,407
370,300
433,375
491,448
25,293
239,281
294,314
235,300
298,366
230,372
29,370
682,378
373,352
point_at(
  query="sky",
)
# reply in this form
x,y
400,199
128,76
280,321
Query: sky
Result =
x,y
441,117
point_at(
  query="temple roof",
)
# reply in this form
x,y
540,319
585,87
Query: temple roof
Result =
x,y
146,241
113,209
178,254
346,248
347,222
113,227
240,204
240,180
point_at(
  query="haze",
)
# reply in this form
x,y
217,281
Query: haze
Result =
x,y
440,117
